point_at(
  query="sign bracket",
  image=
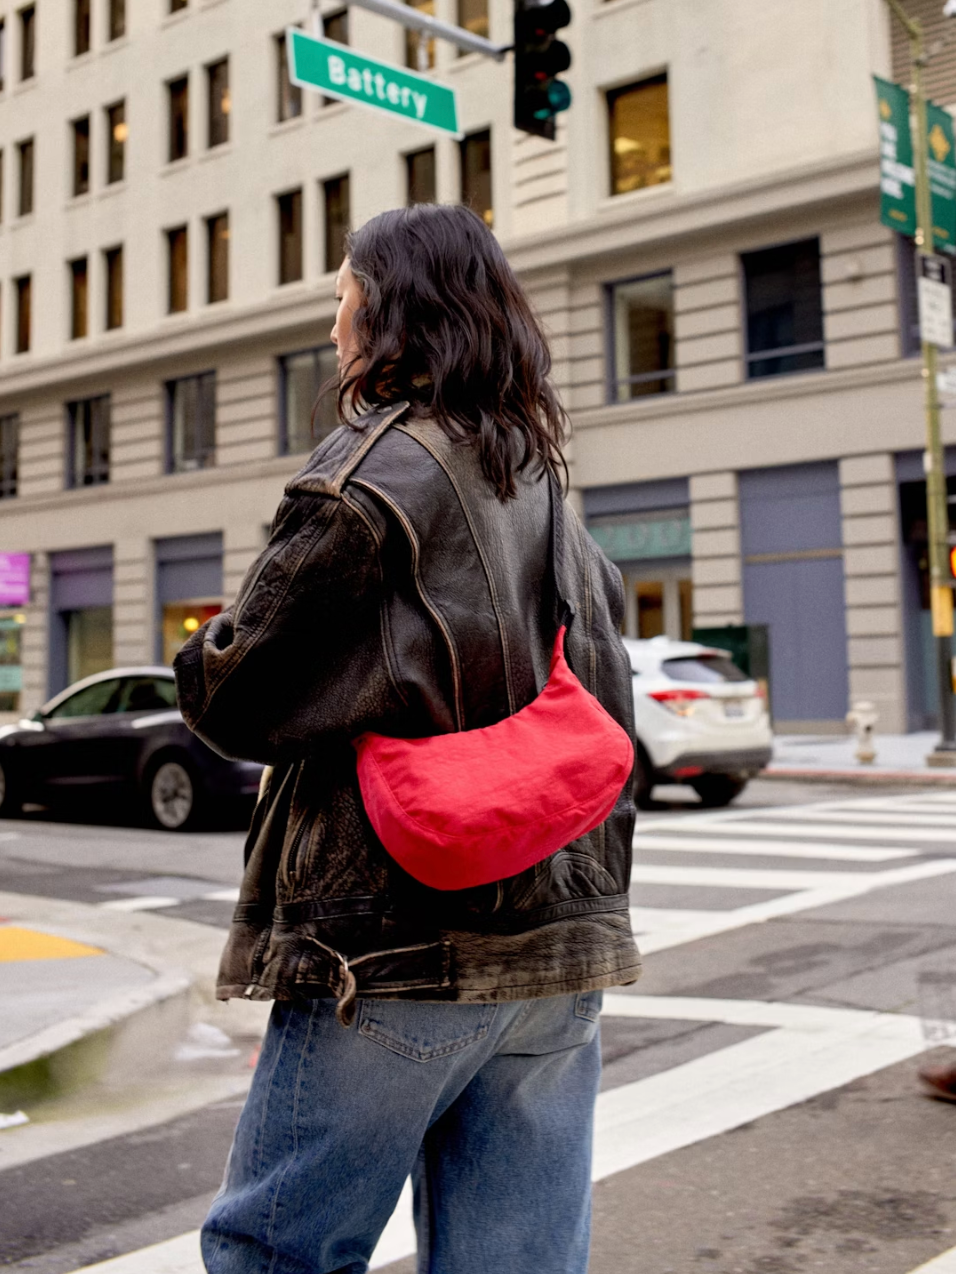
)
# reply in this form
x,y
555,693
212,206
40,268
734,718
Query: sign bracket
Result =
x,y
417,21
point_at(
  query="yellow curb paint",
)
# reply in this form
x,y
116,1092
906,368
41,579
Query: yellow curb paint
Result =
x,y
28,944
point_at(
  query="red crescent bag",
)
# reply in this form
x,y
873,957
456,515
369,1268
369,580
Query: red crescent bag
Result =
x,y
468,808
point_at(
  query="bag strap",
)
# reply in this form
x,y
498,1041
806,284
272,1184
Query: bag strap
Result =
x,y
563,610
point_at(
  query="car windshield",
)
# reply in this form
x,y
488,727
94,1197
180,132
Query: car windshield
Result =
x,y
703,668
91,701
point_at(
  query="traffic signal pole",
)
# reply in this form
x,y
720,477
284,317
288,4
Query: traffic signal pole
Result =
x,y
937,516
416,21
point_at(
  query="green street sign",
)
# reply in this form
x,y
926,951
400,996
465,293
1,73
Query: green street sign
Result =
x,y
338,71
942,176
897,181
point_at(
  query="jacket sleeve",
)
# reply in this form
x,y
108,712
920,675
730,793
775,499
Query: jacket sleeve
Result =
x,y
268,678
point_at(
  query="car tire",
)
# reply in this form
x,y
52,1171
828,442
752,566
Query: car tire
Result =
x,y
10,804
642,784
173,795
716,790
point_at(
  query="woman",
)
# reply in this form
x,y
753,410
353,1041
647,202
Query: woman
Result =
x,y
408,588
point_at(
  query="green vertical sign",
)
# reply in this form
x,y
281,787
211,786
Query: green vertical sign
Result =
x,y
338,71
941,152
897,180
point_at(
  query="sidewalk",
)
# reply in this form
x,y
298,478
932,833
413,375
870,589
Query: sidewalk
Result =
x,y
900,758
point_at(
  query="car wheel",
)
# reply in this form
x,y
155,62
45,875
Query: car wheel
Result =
x,y
642,785
716,790
9,801
172,795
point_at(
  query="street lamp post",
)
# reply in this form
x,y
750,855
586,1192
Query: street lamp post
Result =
x,y
941,591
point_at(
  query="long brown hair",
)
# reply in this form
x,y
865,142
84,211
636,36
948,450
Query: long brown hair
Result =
x,y
445,324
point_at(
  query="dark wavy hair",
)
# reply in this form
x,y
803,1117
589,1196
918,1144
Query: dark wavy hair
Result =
x,y
445,324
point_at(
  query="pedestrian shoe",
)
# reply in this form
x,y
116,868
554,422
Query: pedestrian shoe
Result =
x,y
940,1081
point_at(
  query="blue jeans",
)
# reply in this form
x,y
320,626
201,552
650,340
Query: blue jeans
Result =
x,y
488,1107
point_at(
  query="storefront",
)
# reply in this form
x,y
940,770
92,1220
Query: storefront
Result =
x,y
188,588
644,528
81,614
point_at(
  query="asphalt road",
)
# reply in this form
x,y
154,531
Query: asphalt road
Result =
x,y
756,1117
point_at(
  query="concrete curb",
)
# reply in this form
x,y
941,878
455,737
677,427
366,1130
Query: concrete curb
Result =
x,y
862,776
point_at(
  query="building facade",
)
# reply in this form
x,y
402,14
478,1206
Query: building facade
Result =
x,y
732,328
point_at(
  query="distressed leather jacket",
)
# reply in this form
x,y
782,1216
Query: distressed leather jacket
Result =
x,y
399,594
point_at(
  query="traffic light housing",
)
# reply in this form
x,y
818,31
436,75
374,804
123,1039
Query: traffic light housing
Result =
x,y
539,60
951,559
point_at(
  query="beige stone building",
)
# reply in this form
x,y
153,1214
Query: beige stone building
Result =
x,y
732,327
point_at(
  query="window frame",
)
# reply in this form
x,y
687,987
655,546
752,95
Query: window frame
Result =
x,y
28,42
211,242
113,267
282,441
116,20
177,288
280,254
612,380
114,147
23,287
178,85
471,138
9,469
611,95
74,275
82,27
98,472
333,257
27,188
218,108
408,157
79,189
783,351
207,457
284,85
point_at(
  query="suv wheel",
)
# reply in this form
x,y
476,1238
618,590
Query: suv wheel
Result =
x,y
173,795
716,790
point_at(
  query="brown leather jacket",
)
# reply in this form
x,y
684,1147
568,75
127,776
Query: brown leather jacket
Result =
x,y
398,594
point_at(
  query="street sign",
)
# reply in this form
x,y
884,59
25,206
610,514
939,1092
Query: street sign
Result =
x,y
338,71
946,381
935,301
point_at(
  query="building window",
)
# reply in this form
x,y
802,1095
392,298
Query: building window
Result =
x,y
117,21
217,258
88,458
79,298
784,309
22,286
191,422
419,46
476,175
336,198
473,16
420,176
178,118
28,37
9,455
81,155
289,100
289,208
118,131
81,27
3,55
220,102
176,5
26,151
641,348
335,26
113,260
301,376
640,136
178,249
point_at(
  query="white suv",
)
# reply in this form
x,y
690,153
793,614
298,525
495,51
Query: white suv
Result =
x,y
698,720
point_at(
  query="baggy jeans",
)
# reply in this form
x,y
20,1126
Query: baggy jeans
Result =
x,y
489,1108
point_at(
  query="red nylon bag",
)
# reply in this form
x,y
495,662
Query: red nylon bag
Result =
x,y
476,806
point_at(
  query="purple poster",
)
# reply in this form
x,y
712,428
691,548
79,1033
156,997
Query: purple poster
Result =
x,y
14,579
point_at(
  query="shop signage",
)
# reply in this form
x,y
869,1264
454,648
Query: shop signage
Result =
x,y
897,180
338,71
935,294
14,579
632,541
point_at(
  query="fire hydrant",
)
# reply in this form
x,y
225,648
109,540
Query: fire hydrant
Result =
x,y
862,719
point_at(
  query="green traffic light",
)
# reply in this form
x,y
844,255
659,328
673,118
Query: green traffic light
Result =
x,y
559,99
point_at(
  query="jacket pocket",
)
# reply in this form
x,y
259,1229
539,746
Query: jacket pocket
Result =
x,y
425,1032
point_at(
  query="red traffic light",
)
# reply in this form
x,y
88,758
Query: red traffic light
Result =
x,y
951,558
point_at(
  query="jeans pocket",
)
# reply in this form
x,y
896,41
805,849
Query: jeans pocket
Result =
x,y
424,1032
587,1004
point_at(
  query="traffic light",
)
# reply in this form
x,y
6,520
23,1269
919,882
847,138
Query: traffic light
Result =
x,y
539,60
951,559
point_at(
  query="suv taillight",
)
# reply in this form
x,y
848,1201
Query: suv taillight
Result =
x,y
681,702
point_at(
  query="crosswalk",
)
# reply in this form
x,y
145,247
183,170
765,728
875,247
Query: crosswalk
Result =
x,y
696,876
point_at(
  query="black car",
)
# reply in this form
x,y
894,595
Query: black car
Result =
x,y
118,731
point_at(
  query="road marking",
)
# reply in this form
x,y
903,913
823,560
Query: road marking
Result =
x,y
771,849
147,902
742,877
945,1264
836,831
221,895
807,1051
902,819
18,944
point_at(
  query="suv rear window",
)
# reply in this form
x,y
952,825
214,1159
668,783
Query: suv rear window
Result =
x,y
703,668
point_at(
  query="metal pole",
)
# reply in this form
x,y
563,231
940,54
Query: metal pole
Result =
x,y
937,516
409,17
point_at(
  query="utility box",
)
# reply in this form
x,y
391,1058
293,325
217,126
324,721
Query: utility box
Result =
x,y
748,646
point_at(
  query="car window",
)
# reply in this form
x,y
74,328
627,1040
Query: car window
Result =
x,y
147,694
703,668
91,701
